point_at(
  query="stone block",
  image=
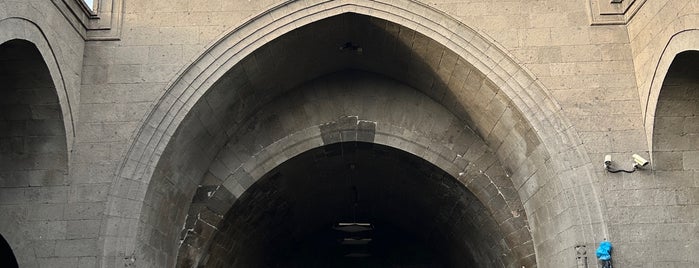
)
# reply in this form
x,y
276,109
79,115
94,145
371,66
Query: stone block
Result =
x,y
114,112
45,128
82,229
44,248
46,212
47,194
120,93
58,262
46,112
84,211
45,230
105,132
88,173
76,248
162,73
125,73
88,192
88,262
690,160
94,75
130,54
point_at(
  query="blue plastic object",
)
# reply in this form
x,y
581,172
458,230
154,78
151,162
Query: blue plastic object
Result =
x,y
604,251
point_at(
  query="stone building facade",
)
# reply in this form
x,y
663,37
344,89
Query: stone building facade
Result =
x,y
218,133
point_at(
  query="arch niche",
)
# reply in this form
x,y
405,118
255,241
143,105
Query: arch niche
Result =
x,y
675,129
403,77
35,130
683,41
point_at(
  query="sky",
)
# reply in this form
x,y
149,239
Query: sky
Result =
x,y
89,3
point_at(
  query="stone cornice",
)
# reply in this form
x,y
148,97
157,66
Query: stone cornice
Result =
x,y
102,24
613,12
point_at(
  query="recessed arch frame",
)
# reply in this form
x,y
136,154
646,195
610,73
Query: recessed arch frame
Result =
x,y
24,29
682,40
567,159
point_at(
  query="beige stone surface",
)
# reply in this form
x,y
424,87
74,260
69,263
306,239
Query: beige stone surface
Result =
x,y
517,72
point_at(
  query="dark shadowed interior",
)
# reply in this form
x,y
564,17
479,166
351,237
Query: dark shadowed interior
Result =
x,y
421,216
33,155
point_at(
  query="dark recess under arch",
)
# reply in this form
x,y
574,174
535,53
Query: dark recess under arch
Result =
x,y
7,257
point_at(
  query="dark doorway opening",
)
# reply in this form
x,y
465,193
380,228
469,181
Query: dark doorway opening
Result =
x,y
7,257
420,215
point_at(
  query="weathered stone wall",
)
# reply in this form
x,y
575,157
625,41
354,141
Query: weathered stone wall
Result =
x,y
605,79
588,69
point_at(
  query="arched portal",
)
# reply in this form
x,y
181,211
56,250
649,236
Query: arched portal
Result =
x,y
33,150
676,126
208,131
678,42
15,29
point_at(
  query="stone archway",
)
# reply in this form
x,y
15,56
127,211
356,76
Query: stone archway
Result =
x,y
681,41
16,28
519,121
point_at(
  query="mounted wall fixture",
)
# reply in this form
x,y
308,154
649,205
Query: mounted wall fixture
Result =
x,y
638,163
352,47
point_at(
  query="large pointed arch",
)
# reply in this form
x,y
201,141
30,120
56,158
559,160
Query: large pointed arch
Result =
x,y
554,182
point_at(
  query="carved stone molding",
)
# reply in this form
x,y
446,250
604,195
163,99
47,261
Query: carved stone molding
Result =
x,y
102,24
613,12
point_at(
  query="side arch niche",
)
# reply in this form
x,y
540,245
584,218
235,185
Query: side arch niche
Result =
x,y
225,122
33,150
681,42
675,144
676,120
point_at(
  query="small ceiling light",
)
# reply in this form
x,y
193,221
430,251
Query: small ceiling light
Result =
x,y
355,241
353,227
357,255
